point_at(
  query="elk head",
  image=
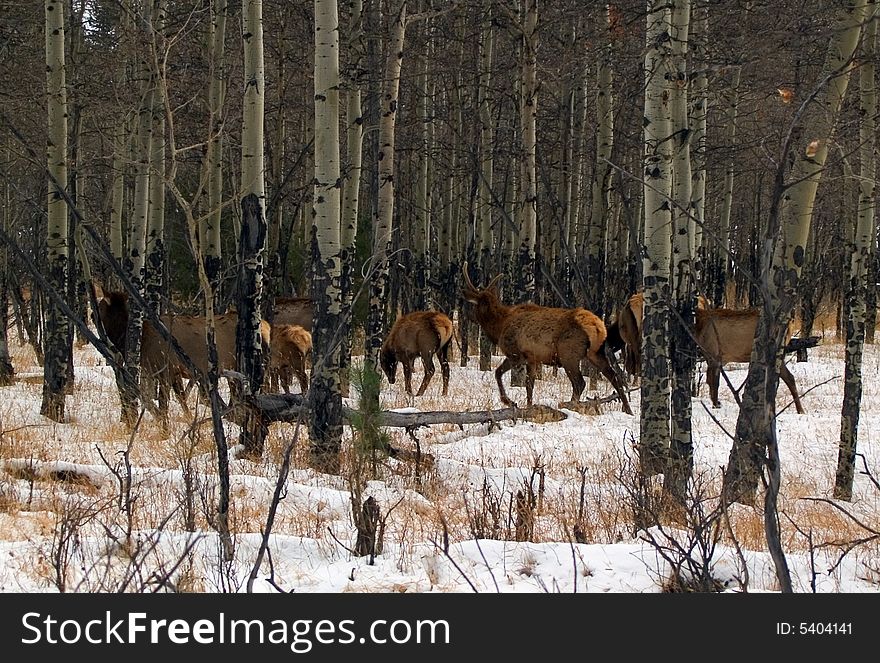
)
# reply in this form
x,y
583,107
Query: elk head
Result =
x,y
484,300
388,361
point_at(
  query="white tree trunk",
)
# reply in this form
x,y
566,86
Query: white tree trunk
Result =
x,y
655,382
485,203
525,260
209,225
325,420
154,263
254,227
682,347
57,356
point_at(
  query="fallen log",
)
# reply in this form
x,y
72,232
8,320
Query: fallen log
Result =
x,y
289,408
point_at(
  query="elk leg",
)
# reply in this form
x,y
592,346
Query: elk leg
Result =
x,y
576,377
713,376
179,393
285,379
299,369
503,367
443,354
630,361
407,374
599,361
788,378
531,372
428,363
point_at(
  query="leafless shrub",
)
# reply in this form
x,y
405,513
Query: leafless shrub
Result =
x,y
686,538
529,502
485,514
869,541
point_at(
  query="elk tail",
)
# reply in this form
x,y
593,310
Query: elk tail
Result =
x,y
444,331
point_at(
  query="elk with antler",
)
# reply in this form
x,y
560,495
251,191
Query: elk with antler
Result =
x,y
533,335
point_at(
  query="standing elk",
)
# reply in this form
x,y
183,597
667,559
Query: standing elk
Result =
x,y
290,344
533,335
159,362
723,335
626,331
726,336
419,334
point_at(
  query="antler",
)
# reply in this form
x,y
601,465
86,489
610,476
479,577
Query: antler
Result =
x,y
470,284
467,278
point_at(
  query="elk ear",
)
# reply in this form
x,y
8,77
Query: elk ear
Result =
x,y
472,301
98,290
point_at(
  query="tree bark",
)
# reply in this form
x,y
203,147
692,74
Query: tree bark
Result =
x,y
421,267
354,120
254,227
655,378
699,110
135,257
382,223
525,258
7,371
325,397
485,205
861,257
682,350
601,184
154,260
721,249
209,225
56,345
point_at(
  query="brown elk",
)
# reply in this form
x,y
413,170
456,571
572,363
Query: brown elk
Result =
x,y
158,360
626,331
723,336
418,334
726,336
290,344
533,335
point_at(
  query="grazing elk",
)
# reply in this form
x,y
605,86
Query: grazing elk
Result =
x,y
533,335
723,336
419,334
291,345
158,360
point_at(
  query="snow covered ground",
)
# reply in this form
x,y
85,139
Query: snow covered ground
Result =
x,y
68,503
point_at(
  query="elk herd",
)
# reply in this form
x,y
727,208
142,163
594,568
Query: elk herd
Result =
x,y
526,334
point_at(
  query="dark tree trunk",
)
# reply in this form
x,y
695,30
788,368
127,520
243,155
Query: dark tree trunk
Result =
x,y
7,372
683,357
248,348
755,424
